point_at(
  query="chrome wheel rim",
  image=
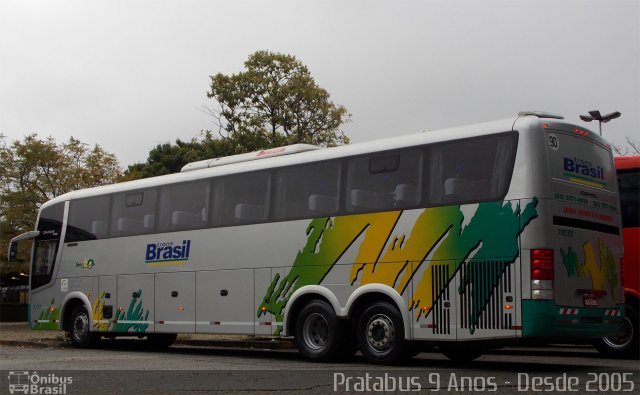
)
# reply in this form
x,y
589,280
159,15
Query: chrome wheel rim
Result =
x,y
622,339
315,331
80,326
380,333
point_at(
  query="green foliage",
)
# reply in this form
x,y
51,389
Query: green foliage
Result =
x,y
274,102
170,158
35,170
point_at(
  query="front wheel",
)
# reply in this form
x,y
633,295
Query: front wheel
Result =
x,y
380,333
623,344
80,334
318,332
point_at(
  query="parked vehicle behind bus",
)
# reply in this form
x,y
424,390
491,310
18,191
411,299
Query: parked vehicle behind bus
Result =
x,y
625,343
461,239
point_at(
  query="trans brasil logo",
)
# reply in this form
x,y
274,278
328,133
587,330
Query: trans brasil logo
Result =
x,y
86,264
584,172
168,253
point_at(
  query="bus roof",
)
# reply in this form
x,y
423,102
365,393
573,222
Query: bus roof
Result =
x,y
385,144
627,162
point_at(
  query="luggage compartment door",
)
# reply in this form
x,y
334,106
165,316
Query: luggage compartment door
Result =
x,y
175,299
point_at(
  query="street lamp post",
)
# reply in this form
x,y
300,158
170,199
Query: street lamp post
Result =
x,y
595,116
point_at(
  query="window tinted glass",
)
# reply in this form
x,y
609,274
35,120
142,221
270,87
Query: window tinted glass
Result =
x,y
629,186
471,170
133,213
384,181
88,219
307,190
46,245
184,206
242,199
575,159
50,222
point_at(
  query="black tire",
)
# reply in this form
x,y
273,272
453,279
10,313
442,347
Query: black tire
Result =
x,y
80,329
461,354
318,332
625,343
380,334
161,340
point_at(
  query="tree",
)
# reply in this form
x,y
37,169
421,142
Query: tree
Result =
x,y
632,148
35,170
170,158
274,102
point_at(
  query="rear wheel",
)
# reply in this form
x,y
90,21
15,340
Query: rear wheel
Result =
x,y
80,330
625,343
380,333
318,332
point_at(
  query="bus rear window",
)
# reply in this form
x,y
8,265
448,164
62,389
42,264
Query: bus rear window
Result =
x,y
580,161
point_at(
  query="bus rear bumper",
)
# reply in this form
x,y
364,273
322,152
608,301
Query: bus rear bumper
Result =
x,y
546,319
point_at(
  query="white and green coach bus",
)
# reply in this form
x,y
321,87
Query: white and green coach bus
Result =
x,y
460,239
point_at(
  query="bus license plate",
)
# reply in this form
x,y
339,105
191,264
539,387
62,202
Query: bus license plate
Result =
x,y
590,301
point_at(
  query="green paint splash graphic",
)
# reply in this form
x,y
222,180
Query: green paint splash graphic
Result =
x,y
135,312
495,229
51,313
492,233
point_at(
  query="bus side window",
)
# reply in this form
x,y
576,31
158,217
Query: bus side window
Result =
x,y
182,206
241,199
385,181
471,170
307,191
88,219
129,211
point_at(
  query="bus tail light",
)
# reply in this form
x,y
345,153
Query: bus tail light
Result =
x,y
542,274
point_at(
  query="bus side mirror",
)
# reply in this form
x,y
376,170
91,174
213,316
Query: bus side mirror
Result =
x,y
13,251
13,244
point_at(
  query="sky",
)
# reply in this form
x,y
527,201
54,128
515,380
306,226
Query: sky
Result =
x,y
129,75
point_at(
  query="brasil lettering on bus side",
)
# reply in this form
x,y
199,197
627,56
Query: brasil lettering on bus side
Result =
x,y
168,253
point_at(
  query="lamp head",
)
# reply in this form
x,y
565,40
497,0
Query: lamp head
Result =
x,y
586,118
595,114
